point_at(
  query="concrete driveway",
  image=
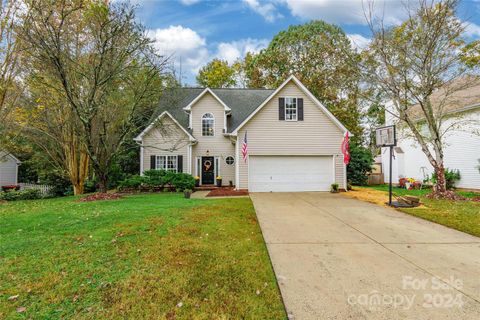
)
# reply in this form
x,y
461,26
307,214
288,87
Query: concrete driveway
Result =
x,y
341,258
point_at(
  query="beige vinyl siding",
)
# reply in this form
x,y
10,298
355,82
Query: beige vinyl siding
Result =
x,y
340,171
217,145
316,135
165,136
8,170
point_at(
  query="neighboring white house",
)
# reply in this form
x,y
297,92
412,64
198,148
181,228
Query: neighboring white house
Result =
x,y
8,169
462,144
294,142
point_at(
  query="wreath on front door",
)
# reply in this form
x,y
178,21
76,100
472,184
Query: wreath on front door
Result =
x,y
207,165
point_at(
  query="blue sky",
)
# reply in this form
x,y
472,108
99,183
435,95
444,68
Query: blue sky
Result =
x,y
196,31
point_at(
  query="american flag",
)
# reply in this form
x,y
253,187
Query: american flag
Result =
x,y
245,147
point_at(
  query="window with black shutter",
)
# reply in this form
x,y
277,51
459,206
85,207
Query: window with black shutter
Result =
x,y
153,162
179,163
300,109
281,108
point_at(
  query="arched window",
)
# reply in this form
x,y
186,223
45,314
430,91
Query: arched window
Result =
x,y
208,124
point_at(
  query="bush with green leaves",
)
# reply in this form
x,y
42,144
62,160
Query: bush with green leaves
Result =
x,y
158,179
27,194
155,178
183,181
451,177
134,182
361,161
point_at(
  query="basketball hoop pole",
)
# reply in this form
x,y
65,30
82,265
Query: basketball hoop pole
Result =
x,y
390,178
387,137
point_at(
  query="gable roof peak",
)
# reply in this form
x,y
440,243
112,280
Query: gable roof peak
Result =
x,y
205,91
307,93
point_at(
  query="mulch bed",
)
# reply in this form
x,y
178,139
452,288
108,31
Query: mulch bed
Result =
x,y
227,192
447,195
101,196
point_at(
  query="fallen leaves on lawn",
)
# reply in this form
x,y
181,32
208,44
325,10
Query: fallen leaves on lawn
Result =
x,y
101,196
12,298
21,309
447,195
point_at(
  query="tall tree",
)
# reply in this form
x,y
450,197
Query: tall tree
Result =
x,y
217,74
46,122
99,58
322,57
10,87
415,61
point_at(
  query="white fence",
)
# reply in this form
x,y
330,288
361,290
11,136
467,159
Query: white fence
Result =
x,y
44,189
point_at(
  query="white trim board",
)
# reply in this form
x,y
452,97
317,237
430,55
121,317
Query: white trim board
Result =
x,y
189,106
307,92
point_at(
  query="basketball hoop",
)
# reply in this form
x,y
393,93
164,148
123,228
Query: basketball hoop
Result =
x,y
387,137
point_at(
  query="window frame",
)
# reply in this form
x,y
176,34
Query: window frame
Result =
x,y
293,99
229,164
165,161
212,118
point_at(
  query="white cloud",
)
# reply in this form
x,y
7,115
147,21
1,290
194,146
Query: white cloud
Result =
x,y
231,51
266,10
346,11
181,42
189,2
472,30
185,43
358,40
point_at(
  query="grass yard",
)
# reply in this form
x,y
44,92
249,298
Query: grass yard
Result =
x,y
156,256
460,215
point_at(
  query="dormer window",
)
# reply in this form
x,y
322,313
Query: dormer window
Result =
x,y
208,125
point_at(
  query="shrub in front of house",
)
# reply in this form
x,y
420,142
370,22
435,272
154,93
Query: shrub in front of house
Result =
x,y
183,181
27,194
155,178
132,183
158,180
12,187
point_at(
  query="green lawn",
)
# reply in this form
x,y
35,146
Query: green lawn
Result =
x,y
460,215
156,256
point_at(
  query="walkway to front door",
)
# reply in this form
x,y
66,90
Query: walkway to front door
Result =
x,y
340,258
208,170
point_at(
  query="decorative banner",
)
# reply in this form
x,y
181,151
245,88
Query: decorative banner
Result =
x,y
346,149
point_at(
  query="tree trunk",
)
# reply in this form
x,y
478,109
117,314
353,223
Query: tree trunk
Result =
x,y
78,188
77,165
102,184
441,184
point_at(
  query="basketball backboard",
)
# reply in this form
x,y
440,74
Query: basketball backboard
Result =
x,y
386,136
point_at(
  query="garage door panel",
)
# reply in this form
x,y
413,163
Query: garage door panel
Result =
x,y
290,173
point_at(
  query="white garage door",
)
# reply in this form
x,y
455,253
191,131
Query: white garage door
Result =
x,y
290,173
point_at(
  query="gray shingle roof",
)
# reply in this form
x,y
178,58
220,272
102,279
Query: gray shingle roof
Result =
x,y
242,102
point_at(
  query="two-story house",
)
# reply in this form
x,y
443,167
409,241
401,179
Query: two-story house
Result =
x,y
293,141
460,129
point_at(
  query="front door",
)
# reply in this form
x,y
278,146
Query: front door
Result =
x,y
208,170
